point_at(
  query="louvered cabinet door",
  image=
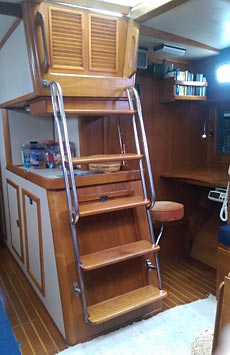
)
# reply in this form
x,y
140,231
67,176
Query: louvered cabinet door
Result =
x,y
67,41
103,44
84,51
85,43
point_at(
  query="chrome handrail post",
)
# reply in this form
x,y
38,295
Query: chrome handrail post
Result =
x,y
60,121
145,145
58,101
129,92
137,144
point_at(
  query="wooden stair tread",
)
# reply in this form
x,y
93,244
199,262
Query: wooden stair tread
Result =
x,y
103,158
122,304
84,106
88,209
117,254
99,112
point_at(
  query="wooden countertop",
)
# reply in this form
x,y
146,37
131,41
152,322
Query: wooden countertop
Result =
x,y
213,175
52,179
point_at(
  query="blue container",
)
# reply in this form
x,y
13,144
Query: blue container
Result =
x,y
25,152
33,155
224,234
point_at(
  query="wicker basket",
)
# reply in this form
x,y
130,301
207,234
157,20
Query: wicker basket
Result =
x,y
107,167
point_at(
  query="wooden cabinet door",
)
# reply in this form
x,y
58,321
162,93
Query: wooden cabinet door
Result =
x,y
2,211
15,219
86,52
2,217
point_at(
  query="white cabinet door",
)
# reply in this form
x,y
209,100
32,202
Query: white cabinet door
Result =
x,y
15,219
33,239
2,217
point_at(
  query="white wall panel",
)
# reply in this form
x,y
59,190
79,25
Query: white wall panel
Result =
x,y
15,78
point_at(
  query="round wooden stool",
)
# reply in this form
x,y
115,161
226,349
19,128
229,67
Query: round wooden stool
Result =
x,y
166,211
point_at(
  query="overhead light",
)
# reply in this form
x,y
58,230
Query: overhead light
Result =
x,y
169,50
223,73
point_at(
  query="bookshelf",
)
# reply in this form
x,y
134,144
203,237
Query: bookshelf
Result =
x,y
174,90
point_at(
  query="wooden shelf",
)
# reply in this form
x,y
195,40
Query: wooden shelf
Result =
x,y
191,83
92,208
117,254
190,97
125,303
167,90
212,175
105,158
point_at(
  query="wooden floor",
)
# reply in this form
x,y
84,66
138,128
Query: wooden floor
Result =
x,y
185,281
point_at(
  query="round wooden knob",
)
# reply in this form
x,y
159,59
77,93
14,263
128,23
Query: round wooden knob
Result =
x,y
167,211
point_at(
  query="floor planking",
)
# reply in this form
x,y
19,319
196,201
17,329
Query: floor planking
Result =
x,y
185,281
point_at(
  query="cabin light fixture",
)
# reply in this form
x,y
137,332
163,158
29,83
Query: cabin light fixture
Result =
x,y
207,125
223,73
169,50
204,135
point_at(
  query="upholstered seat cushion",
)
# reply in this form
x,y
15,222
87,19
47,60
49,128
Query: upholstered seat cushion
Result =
x,y
224,234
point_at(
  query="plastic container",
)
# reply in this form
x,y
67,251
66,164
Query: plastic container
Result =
x,y
25,153
49,156
37,156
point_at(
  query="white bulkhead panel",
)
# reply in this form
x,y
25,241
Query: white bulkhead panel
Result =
x,y
15,78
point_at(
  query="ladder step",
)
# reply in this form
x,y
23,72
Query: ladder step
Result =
x,y
83,106
92,208
105,158
99,112
117,254
125,303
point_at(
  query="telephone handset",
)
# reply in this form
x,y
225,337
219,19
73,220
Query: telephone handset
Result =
x,y
221,195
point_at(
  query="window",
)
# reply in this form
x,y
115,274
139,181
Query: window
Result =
x,y
223,73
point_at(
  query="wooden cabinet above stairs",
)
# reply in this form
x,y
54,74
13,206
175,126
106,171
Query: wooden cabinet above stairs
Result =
x,y
89,54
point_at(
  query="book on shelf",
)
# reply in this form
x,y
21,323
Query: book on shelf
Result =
x,y
189,90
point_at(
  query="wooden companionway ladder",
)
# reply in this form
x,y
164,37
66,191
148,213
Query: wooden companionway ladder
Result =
x,y
140,254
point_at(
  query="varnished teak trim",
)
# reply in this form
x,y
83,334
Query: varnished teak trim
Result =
x,y
119,305
106,158
89,209
117,254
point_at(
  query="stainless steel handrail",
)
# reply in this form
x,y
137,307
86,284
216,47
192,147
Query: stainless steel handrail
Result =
x,y
137,144
130,91
59,116
71,190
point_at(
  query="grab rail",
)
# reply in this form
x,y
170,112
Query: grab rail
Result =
x,y
72,200
129,91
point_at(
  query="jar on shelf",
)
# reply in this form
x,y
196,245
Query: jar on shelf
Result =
x,y
37,156
49,156
25,154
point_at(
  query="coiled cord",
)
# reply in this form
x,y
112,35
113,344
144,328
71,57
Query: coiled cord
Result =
x,y
224,209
